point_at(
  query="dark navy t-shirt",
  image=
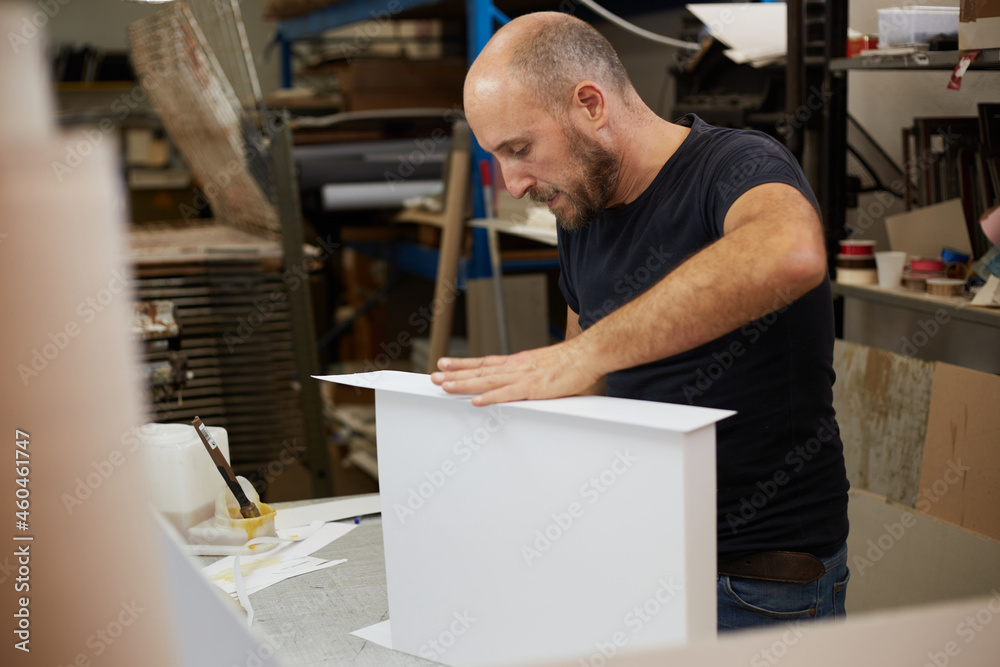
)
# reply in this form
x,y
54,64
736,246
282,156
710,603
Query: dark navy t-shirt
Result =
x,y
781,477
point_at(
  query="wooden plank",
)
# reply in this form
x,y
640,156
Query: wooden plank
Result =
x,y
527,314
882,401
960,481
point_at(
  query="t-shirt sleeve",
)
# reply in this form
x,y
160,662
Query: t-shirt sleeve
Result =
x,y
566,285
751,160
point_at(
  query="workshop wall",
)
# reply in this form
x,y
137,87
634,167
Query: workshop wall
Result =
x,y
645,61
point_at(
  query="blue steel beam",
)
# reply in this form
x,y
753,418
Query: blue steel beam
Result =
x,y
343,14
481,17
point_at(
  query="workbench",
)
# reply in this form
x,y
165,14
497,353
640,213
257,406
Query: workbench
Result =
x,y
908,322
308,619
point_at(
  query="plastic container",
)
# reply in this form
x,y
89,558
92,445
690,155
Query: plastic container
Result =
x,y
857,276
902,26
926,264
914,283
228,528
861,43
890,268
855,262
945,287
182,481
857,247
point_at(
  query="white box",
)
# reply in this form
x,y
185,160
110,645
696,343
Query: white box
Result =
x,y
903,26
543,530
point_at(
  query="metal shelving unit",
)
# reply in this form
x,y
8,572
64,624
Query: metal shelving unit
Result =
x,y
834,180
482,17
928,60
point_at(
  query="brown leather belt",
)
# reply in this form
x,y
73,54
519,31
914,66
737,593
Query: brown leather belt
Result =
x,y
786,566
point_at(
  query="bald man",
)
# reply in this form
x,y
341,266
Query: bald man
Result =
x,y
694,268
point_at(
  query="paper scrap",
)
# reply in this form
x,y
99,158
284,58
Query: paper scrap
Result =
x,y
260,574
747,27
380,634
989,294
334,510
283,562
955,83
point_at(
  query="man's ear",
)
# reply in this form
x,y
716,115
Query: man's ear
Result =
x,y
589,99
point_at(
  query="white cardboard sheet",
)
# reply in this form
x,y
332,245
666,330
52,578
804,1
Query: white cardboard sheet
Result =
x,y
333,510
282,562
532,530
380,633
755,31
676,418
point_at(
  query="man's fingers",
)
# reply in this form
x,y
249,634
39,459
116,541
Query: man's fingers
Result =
x,y
440,377
478,385
505,394
461,364
459,370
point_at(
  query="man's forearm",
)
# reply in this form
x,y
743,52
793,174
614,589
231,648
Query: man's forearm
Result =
x,y
745,275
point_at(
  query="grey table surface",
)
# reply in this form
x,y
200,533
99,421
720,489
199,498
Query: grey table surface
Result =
x,y
308,619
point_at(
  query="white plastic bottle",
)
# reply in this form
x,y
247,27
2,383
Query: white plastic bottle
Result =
x,y
182,480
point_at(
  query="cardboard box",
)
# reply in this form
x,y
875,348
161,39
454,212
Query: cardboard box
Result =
x,y
543,530
923,232
979,24
395,83
961,464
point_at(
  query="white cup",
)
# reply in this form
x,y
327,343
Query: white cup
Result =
x,y
890,267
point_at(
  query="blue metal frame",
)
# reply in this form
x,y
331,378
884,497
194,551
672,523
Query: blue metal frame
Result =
x,y
342,14
411,258
482,17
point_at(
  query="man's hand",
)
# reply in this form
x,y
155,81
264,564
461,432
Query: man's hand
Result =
x,y
548,372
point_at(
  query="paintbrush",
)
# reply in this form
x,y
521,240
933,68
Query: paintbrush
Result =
x,y
247,507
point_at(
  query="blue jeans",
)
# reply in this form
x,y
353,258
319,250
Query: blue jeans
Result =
x,y
750,603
